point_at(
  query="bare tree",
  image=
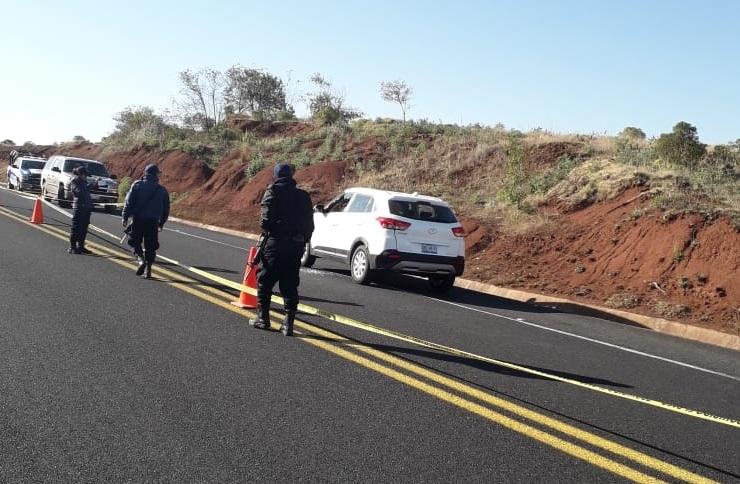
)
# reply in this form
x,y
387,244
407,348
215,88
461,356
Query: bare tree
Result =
x,y
397,92
201,104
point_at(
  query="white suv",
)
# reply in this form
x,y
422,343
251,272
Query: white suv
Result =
x,y
56,179
24,171
376,230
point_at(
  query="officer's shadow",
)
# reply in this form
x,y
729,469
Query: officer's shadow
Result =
x,y
330,301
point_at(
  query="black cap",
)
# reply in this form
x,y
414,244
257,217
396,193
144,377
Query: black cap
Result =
x,y
151,169
283,170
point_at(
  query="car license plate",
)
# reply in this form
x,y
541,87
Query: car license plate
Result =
x,y
428,249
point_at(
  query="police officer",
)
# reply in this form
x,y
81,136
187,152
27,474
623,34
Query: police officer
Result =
x,y
287,223
81,208
149,204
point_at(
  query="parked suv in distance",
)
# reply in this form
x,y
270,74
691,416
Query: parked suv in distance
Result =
x,y
24,171
57,176
375,230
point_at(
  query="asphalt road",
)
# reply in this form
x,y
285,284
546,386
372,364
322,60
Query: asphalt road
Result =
x,y
108,378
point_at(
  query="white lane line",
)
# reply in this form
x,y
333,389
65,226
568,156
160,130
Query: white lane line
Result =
x,y
197,236
18,194
207,239
591,340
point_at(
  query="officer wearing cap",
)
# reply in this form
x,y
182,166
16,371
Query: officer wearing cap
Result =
x,y
81,209
148,203
287,223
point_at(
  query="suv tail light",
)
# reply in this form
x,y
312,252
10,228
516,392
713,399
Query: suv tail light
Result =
x,y
393,224
458,231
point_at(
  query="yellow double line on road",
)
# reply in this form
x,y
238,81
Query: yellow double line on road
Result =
x,y
441,387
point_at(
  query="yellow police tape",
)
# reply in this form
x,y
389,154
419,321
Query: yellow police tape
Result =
x,y
446,349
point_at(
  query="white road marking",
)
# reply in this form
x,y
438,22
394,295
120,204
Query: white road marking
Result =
x,y
591,340
207,239
196,236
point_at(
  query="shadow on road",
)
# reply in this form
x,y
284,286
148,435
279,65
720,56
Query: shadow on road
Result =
x,y
330,301
415,285
473,363
215,269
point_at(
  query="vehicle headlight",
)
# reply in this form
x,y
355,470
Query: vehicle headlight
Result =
x,y
24,175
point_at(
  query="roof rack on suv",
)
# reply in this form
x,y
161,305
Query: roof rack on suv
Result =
x,y
15,154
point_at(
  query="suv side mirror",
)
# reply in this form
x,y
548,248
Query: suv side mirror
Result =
x,y
319,207
55,169
114,177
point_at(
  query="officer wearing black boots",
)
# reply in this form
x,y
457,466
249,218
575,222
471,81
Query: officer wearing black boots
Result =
x,y
287,224
148,203
82,207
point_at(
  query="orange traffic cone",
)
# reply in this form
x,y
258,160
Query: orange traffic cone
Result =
x,y
246,300
37,217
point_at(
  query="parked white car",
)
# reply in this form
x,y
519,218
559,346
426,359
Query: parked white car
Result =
x,y
375,230
57,177
24,171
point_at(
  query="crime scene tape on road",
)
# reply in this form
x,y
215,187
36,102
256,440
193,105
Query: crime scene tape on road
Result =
x,y
346,321
452,384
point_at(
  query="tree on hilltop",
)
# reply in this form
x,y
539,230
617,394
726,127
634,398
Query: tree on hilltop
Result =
x,y
633,133
397,92
201,102
255,92
327,106
681,146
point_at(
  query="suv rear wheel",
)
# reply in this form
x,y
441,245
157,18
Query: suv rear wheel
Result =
x,y
441,284
44,194
308,260
359,266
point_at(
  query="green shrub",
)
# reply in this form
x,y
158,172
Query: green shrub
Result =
x,y
632,152
255,166
543,182
123,187
513,189
681,147
302,159
630,132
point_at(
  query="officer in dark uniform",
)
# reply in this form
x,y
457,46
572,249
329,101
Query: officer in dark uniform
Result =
x,y
287,222
149,204
81,209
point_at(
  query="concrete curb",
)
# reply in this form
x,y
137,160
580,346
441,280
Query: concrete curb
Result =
x,y
659,325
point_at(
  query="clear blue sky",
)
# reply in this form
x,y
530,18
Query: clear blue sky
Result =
x,y
567,66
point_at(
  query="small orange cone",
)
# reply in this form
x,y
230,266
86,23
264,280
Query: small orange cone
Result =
x,y
37,217
246,300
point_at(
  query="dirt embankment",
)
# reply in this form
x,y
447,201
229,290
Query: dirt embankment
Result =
x,y
623,253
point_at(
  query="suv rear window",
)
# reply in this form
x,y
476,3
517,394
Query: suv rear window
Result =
x,y
95,169
425,211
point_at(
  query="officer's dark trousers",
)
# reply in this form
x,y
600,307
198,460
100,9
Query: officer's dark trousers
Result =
x,y
147,232
281,262
80,222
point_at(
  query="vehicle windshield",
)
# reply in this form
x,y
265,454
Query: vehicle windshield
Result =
x,y
93,168
425,211
32,165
